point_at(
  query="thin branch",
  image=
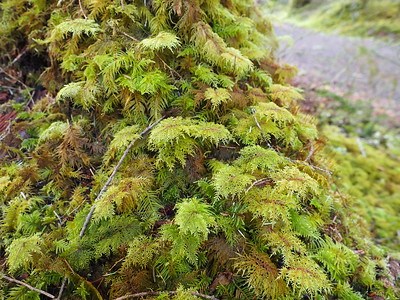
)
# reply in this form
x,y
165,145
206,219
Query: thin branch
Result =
x,y
14,78
20,82
310,165
144,294
6,132
81,7
257,182
311,153
9,87
62,288
27,286
114,172
169,68
129,36
60,221
24,50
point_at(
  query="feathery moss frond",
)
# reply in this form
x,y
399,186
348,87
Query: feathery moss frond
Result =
x,y
161,41
177,138
21,252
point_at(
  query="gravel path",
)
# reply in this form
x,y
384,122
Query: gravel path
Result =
x,y
363,68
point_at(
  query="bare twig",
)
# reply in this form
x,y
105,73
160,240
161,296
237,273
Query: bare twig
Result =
x,y
144,294
18,56
6,132
129,36
311,153
62,288
21,83
60,221
116,263
329,173
14,78
81,7
257,182
114,172
169,68
13,280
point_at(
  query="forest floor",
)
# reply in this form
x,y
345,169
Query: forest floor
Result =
x,y
356,68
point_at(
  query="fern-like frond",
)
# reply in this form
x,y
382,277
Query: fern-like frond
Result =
x,y
217,96
215,50
193,217
344,291
123,197
271,206
21,251
285,242
176,138
56,130
253,158
76,28
285,95
231,181
163,40
12,212
120,142
339,260
262,275
293,181
305,276
141,252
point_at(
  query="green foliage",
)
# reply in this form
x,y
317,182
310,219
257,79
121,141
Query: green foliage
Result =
x,y
262,275
228,192
231,181
162,40
177,138
217,96
142,251
361,17
306,276
194,218
193,221
121,140
76,28
339,260
21,252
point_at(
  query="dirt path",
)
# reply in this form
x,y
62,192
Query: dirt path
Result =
x,y
363,68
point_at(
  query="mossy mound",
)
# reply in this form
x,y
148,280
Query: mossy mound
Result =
x,y
173,125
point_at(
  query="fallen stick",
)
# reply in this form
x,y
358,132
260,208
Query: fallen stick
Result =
x,y
144,294
114,172
13,280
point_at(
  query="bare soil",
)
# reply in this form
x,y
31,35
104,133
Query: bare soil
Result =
x,y
359,68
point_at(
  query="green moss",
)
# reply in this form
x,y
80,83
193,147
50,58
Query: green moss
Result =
x,y
362,18
173,124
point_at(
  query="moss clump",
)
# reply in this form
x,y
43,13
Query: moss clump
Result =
x,y
173,125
